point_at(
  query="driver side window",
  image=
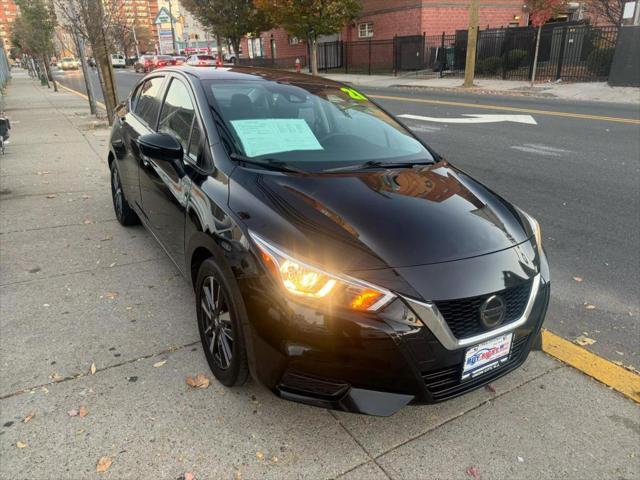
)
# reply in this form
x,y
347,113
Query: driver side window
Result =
x,y
178,113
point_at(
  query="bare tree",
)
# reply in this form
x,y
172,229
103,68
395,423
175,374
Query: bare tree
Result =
x,y
94,20
608,10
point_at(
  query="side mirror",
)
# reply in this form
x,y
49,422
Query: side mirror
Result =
x,y
161,146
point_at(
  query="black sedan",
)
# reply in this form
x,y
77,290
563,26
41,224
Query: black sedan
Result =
x,y
334,256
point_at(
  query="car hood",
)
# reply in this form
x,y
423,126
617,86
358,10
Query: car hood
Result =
x,y
377,219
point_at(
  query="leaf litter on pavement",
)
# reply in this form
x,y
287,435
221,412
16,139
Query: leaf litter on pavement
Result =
x,y
199,381
103,464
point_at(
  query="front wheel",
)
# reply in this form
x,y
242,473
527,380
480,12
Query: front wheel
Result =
x,y
124,213
220,310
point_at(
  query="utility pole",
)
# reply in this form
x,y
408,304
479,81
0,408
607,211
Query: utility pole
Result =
x,y
472,42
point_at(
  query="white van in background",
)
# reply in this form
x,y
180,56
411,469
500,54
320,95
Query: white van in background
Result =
x,y
118,61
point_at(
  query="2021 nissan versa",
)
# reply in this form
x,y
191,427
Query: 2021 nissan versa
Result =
x,y
333,255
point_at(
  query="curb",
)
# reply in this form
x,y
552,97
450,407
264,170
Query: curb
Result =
x,y
605,371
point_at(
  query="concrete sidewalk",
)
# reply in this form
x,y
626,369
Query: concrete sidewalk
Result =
x,y
78,290
588,91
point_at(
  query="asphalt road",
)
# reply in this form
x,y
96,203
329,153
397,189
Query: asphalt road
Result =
x,y
576,169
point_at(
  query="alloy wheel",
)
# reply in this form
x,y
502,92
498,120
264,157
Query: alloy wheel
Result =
x,y
216,321
117,193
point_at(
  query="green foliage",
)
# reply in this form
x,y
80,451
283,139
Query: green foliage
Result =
x,y
489,66
515,59
310,18
599,61
33,29
230,19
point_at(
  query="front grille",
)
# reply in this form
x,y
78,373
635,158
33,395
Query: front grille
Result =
x,y
305,384
463,315
446,383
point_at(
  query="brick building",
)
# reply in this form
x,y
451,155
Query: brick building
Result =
x,y
384,19
8,13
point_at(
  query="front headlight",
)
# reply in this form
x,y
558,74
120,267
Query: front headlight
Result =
x,y
305,281
535,226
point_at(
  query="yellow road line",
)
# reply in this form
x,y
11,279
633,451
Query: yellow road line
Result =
x,y
100,104
612,375
583,116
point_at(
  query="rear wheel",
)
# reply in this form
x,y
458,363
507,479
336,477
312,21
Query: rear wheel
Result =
x,y
220,311
124,213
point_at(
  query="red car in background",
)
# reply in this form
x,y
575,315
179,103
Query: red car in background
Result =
x,y
160,61
144,64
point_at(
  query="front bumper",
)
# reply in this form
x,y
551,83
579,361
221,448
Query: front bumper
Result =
x,y
373,364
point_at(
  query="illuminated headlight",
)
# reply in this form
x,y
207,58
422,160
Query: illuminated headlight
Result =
x,y
305,281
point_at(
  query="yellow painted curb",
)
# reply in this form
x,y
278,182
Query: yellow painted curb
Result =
x,y
75,92
584,116
605,371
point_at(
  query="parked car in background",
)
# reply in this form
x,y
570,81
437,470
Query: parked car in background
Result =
x,y
118,60
69,63
144,64
333,254
201,60
179,59
230,58
160,61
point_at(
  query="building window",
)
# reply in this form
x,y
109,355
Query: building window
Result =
x,y
293,40
365,30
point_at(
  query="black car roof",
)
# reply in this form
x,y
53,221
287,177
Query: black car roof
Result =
x,y
253,73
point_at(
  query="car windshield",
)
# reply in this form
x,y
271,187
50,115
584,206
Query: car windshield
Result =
x,y
320,126
67,59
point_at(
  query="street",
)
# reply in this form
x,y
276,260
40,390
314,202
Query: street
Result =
x,y
574,165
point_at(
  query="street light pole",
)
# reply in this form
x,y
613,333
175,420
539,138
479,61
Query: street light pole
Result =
x,y
135,39
173,33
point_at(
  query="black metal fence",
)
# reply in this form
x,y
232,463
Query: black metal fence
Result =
x,y
568,51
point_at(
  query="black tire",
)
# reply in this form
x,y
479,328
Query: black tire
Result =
x,y
221,331
124,213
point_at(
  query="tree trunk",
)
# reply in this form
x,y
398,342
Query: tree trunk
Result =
x,y
47,69
535,56
313,54
44,72
235,43
219,46
85,73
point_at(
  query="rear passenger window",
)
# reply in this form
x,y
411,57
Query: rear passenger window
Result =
x,y
148,102
177,113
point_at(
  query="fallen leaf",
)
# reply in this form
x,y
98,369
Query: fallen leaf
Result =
x,y
238,475
19,444
473,472
159,364
584,341
51,196
578,279
73,413
106,239
520,459
56,377
618,362
29,417
489,387
112,265
103,464
188,476
83,412
110,295
588,306
200,381
93,369
86,197
260,455
87,222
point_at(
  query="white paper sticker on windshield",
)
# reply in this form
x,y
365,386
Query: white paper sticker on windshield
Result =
x,y
273,135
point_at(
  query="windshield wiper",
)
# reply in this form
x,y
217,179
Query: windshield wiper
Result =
x,y
267,163
376,164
